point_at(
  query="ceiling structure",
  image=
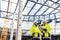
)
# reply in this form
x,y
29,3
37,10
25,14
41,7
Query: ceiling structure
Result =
x,y
33,9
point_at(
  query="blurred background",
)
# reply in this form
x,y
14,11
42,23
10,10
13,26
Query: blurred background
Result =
x,y
38,10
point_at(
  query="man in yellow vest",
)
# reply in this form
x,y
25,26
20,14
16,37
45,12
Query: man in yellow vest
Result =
x,y
34,31
46,29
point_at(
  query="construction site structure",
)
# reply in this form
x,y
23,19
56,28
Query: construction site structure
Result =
x,y
4,31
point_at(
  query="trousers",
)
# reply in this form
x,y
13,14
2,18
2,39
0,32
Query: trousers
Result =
x,y
36,39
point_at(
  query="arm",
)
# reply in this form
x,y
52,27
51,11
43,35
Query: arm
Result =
x,y
48,28
31,30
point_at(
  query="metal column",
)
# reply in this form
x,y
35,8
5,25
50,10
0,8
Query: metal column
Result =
x,y
11,35
19,23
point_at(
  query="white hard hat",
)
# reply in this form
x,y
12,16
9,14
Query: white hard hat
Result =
x,y
43,21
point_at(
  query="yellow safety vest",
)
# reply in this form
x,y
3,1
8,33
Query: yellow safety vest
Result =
x,y
47,27
46,34
34,30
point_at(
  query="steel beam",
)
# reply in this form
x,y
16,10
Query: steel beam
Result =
x,y
46,10
8,0
40,8
16,6
44,5
5,11
8,8
0,8
12,30
55,2
26,20
27,15
19,21
25,5
32,8
54,9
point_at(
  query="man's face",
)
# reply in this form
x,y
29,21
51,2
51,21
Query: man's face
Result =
x,y
44,23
